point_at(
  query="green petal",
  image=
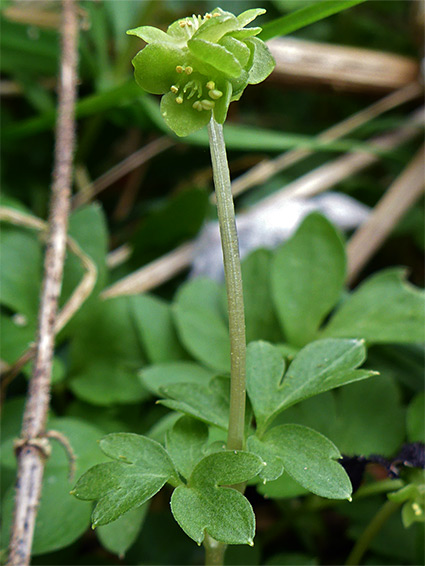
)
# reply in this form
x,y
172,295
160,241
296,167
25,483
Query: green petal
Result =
x,y
245,33
183,119
240,50
262,63
155,67
150,34
177,33
215,28
249,15
222,104
215,55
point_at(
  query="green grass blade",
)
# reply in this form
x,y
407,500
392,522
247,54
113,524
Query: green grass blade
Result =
x,y
305,16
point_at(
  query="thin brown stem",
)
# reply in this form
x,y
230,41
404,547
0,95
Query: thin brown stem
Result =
x,y
31,458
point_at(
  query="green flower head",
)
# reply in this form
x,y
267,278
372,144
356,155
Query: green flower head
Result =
x,y
200,65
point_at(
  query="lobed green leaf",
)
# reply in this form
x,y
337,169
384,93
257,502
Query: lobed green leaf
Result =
x,y
320,366
140,469
310,458
203,506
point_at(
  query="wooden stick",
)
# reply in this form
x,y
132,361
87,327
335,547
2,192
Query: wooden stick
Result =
x,y
401,195
32,451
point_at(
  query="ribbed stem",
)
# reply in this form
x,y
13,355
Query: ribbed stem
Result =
x,y
233,277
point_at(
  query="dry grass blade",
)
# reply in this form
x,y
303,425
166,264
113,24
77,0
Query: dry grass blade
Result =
x,y
319,180
400,196
153,274
343,68
267,168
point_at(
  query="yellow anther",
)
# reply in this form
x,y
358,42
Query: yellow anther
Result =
x,y
210,85
189,24
179,69
207,16
207,104
188,70
174,89
179,100
216,15
215,94
197,106
182,24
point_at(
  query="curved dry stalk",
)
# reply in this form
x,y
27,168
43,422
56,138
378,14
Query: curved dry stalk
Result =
x,y
74,303
315,182
127,165
151,275
269,167
31,456
400,196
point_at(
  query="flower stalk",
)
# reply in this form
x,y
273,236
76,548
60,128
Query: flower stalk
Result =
x,y
233,278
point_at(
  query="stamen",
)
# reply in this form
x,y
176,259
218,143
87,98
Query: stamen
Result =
x,y
207,104
182,24
179,100
215,94
207,16
210,85
197,106
179,69
216,15
188,70
174,89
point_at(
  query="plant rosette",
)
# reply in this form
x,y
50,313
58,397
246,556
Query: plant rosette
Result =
x,y
201,65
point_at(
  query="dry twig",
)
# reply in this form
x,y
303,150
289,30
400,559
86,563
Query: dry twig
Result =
x,y
31,456
401,195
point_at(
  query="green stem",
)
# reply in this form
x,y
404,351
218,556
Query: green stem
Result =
x,y
371,531
214,552
233,277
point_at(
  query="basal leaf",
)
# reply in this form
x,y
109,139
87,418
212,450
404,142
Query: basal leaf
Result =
x,y
155,377
223,512
118,536
307,278
261,321
185,443
106,355
208,403
311,459
319,367
201,323
155,326
384,309
140,468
